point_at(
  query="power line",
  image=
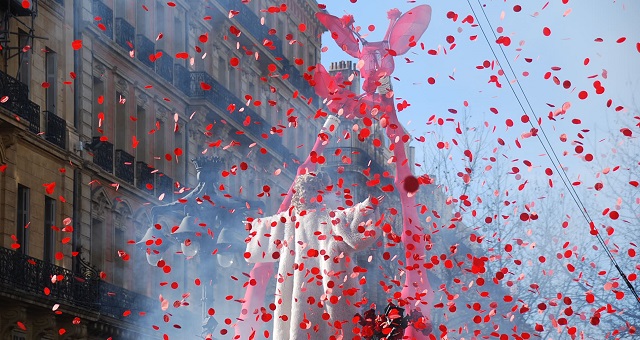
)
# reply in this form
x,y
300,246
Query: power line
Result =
x,y
548,148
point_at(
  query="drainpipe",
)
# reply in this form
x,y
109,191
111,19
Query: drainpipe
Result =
x,y
77,124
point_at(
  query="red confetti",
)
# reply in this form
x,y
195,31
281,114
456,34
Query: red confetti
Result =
x,y
546,31
76,44
49,187
583,95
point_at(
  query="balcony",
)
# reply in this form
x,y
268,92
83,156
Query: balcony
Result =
x,y
106,14
28,277
297,80
103,154
125,34
145,48
15,98
16,8
31,112
164,66
221,97
124,164
181,79
144,177
251,24
56,129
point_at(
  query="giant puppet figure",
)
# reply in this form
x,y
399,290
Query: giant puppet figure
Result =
x,y
376,65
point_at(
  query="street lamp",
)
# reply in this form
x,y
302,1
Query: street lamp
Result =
x,y
154,243
207,226
188,234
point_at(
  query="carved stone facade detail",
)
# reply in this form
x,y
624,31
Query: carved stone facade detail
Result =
x,y
100,204
162,113
99,70
121,85
142,99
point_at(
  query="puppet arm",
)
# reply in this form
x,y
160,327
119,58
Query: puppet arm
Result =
x,y
357,225
266,236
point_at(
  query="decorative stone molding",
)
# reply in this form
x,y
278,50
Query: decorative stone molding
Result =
x,y
246,75
100,204
142,99
162,113
99,70
215,50
121,85
9,315
122,214
75,332
43,326
8,138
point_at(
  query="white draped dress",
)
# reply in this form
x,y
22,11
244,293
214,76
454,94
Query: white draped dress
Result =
x,y
317,288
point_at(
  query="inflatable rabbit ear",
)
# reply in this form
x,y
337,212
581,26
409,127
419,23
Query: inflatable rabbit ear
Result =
x,y
409,28
322,81
341,33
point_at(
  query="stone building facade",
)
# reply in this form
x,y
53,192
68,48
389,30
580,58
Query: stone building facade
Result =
x,y
104,104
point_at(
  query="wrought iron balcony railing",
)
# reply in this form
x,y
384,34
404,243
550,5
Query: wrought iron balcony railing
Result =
x,y
251,23
297,80
125,166
181,78
164,66
196,89
31,112
101,10
144,177
221,97
125,34
103,154
29,277
15,98
144,49
56,129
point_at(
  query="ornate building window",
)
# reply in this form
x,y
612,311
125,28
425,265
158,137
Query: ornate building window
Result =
x,y
49,235
121,141
51,92
160,24
180,174
24,72
23,218
142,131
222,71
100,209
142,24
159,142
98,100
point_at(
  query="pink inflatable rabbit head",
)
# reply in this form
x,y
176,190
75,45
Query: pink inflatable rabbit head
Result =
x,y
376,58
